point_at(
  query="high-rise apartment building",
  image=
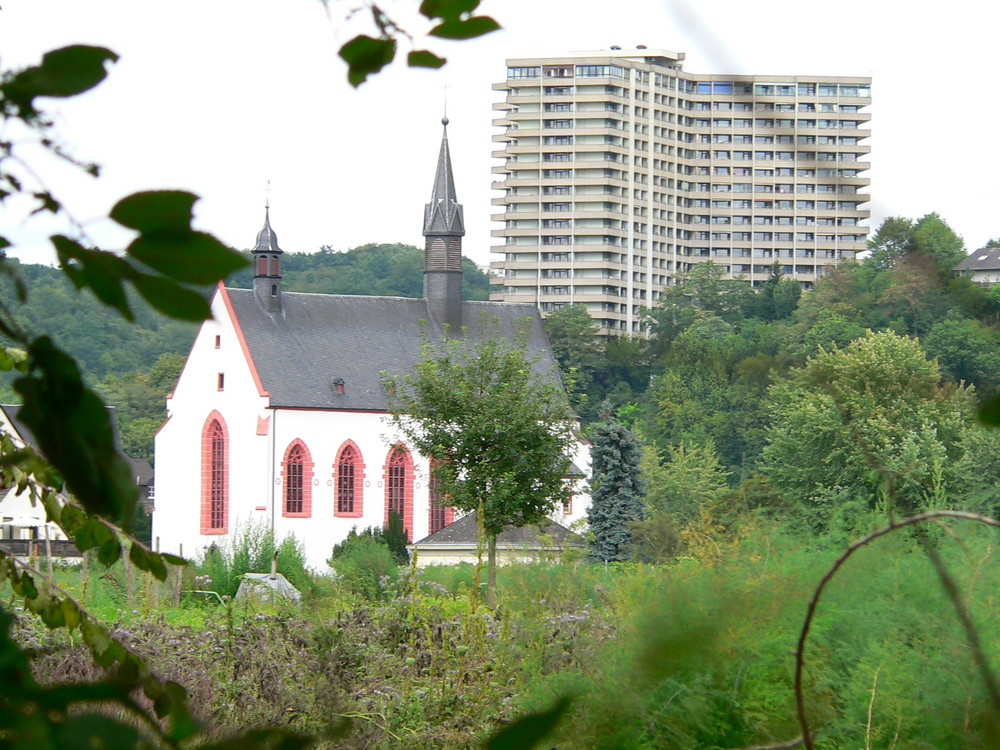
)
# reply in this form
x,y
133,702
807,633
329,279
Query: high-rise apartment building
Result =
x,y
621,171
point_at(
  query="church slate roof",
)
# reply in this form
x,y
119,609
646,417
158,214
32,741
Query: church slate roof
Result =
x,y
317,339
443,215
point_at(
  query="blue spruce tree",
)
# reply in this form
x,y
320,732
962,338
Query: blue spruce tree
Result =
x,y
616,491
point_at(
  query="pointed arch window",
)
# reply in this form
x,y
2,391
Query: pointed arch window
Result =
x,y
439,515
214,476
297,477
349,471
399,486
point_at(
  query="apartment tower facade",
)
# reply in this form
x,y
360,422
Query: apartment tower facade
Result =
x,y
622,171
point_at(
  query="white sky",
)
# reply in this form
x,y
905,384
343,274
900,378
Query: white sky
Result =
x,y
220,96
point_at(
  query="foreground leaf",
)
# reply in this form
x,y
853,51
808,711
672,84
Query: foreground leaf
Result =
x,y
156,211
172,299
365,55
63,72
74,432
529,730
422,58
467,29
186,256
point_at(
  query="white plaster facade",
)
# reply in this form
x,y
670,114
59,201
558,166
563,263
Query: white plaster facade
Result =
x,y
20,518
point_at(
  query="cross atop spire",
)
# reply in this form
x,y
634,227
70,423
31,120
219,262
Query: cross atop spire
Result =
x,y
443,215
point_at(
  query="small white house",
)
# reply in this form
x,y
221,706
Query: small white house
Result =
x,y
280,418
982,266
19,517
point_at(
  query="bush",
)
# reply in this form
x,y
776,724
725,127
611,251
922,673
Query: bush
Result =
x,y
251,550
361,561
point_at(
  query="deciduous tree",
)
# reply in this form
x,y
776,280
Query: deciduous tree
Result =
x,y
872,420
498,426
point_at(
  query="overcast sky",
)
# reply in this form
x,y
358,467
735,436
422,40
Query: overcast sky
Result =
x,y
220,96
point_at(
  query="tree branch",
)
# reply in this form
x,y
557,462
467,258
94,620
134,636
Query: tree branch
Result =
x,y
806,738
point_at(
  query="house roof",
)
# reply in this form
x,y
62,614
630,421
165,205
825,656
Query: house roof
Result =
x,y
23,432
316,339
465,532
142,470
985,259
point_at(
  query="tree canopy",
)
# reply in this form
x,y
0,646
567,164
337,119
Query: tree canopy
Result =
x,y
498,429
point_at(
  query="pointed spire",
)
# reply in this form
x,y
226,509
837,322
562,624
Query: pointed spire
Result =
x,y
267,265
267,240
443,215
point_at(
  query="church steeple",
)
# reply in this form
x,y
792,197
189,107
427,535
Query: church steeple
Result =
x,y
267,266
444,227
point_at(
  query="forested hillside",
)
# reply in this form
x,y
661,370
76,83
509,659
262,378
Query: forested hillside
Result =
x,y
823,402
134,365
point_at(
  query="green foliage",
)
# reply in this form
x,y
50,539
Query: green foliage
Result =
x,y
873,419
712,386
967,351
529,730
685,488
617,491
139,398
396,538
392,270
499,430
597,374
250,549
363,561
572,336
453,19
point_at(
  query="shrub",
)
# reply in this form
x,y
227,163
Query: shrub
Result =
x,y
362,560
250,551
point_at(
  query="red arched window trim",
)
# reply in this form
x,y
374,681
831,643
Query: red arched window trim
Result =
x,y
214,476
262,265
275,266
399,486
297,481
439,515
349,482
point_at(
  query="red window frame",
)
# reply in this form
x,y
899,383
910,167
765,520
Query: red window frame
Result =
x,y
398,480
439,515
349,482
214,476
297,481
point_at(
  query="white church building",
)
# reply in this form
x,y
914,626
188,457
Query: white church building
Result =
x,y
280,418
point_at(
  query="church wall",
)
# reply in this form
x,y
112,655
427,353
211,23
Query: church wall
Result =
x,y
324,433
179,465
